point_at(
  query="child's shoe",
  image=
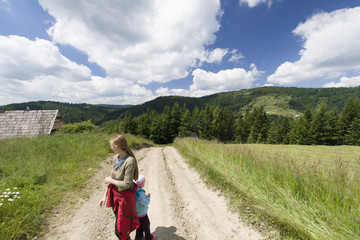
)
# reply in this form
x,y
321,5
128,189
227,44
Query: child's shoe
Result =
x,y
154,236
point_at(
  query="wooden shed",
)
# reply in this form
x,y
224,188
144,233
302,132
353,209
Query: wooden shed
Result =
x,y
29,123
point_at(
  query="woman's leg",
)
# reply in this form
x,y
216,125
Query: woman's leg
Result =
x,y
116,229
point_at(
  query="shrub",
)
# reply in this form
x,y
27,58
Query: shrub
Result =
x,y
86,126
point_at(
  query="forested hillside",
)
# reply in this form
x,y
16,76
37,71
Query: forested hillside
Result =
x,y
284,101
72,113
277,101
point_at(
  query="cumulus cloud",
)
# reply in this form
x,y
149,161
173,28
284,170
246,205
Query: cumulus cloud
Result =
x,y
253,3
235,56
345,82
330,48
24,59
205,83
33,70
143,41
214,56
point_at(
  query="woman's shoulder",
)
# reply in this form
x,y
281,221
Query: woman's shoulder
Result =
x,y
130,160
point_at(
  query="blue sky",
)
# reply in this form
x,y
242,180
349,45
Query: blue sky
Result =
x,y
130,52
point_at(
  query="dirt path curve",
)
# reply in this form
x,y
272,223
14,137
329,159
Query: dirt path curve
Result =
x,y
181,206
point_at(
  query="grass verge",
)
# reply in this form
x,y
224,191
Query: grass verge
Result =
x,y
301,199
36,173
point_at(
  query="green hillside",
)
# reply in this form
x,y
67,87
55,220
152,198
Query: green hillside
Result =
x,y
285,101
276,100
72,113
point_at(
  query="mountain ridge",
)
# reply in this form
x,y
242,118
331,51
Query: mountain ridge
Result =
x,y
286,101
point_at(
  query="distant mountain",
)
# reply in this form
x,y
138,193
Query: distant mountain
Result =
x,y
71,112
287,101
115,106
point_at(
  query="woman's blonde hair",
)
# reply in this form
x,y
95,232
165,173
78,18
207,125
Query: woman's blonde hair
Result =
x,y
120,142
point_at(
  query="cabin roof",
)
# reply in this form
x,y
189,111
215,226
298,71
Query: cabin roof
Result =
x,y
26,123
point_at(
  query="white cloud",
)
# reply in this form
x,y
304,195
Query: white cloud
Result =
x,y
205,83
36,70
5,5
214,56
253,3
24,59
330,48
345,82
235,56
143,41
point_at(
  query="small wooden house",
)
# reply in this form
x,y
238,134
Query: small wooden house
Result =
x,y
29,123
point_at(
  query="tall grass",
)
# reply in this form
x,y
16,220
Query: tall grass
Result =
x,y
42,170
303,199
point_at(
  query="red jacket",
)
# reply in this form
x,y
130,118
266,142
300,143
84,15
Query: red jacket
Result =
x,y
124,204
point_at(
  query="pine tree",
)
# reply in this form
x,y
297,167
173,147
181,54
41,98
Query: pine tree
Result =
x,y
227,133
144,124
128,125
175,120
195,117
260,126
350,112
205,119
215,126
275,135
186,127
318,126
353,135
331,129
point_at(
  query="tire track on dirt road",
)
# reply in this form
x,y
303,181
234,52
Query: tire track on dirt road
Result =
x,y
181,207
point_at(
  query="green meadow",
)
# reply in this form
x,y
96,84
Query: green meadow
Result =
x,y
37,173
304,192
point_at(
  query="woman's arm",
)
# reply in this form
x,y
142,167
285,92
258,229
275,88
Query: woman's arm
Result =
x,y
103,200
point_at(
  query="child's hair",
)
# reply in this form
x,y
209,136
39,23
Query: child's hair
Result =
x,y
120,142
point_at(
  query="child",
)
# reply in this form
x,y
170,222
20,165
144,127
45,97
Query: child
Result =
x,y
142,202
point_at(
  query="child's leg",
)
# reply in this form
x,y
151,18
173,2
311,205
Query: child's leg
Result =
x,y
139,231
146,227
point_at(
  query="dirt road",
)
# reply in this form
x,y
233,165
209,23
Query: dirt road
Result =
x,y
181,206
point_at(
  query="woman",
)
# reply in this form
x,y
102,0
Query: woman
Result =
x,y
121,188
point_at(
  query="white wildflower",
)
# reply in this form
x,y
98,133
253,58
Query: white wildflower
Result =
x,y
15,188
10,200
17,193
18,196
15,196
6,196
4,192
1,204
1,195
8,189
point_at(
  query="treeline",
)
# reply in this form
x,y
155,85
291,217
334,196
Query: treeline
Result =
x,y
72,112
319,127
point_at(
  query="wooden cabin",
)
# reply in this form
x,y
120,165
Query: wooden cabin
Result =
x,y
29,123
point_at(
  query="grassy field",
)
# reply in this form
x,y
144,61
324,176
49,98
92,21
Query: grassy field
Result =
x,y
36,174
305,192
276,105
